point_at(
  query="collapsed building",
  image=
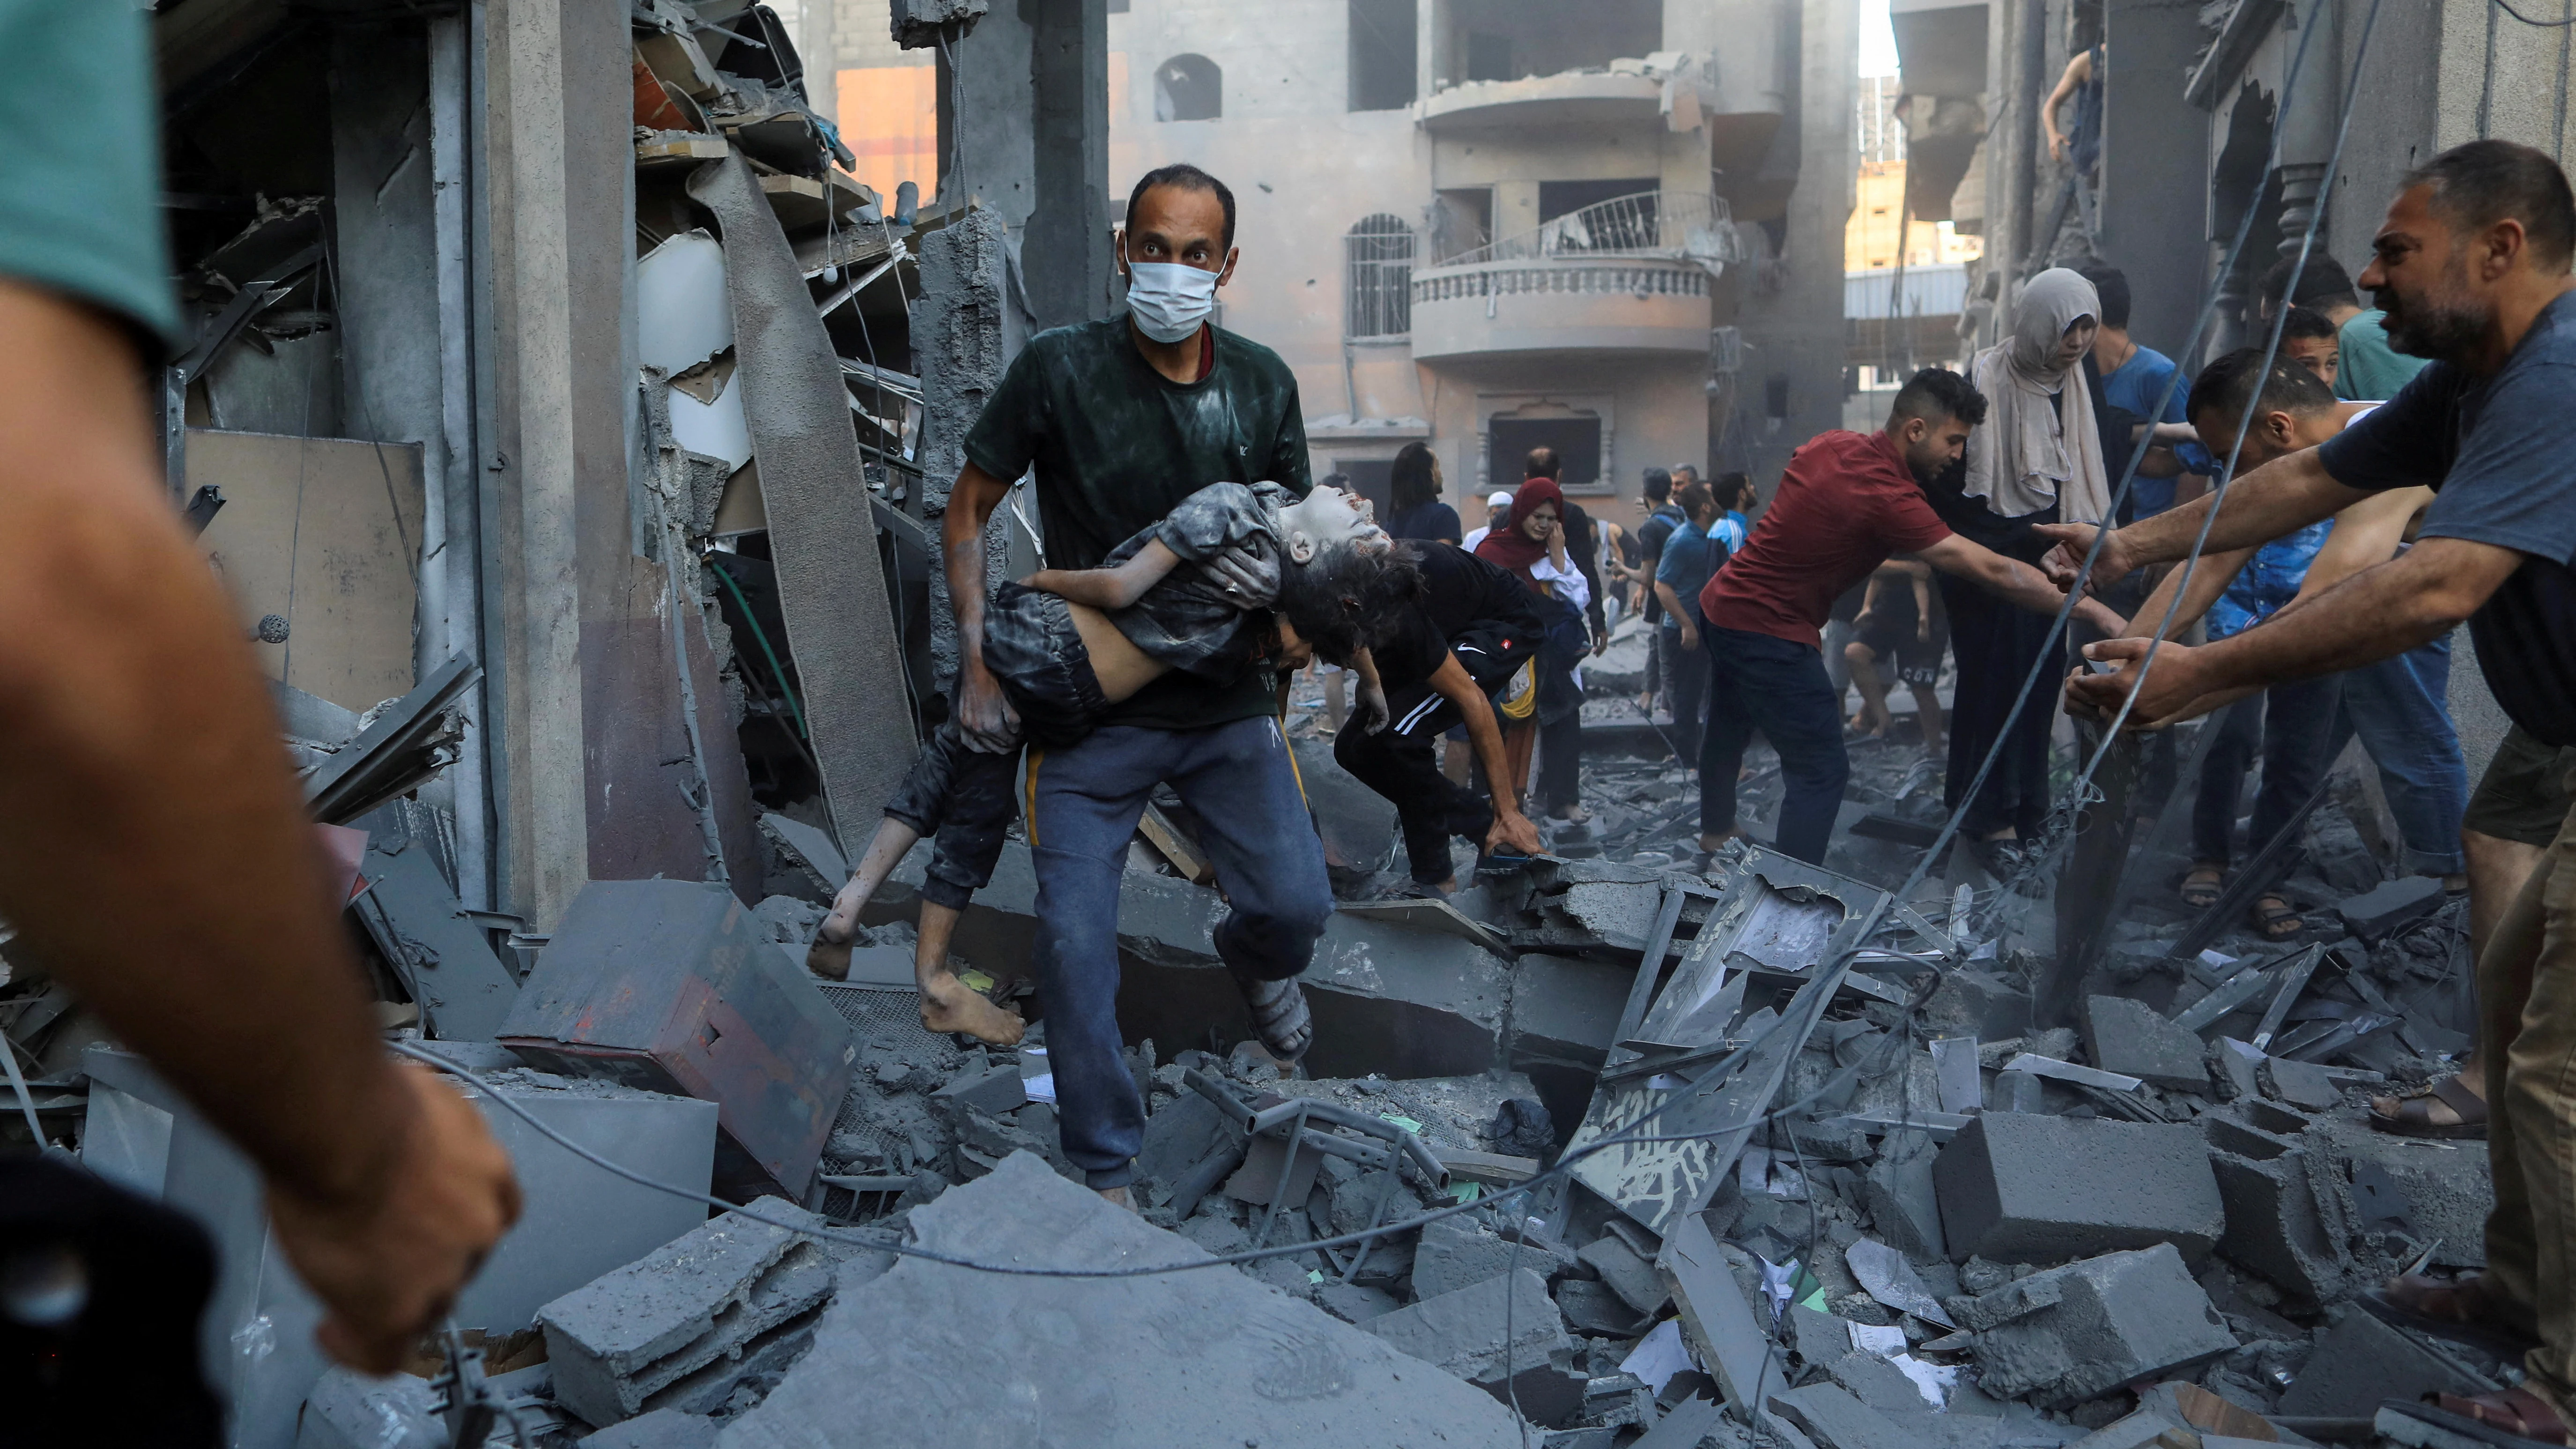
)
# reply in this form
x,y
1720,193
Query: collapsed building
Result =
x,y
598,625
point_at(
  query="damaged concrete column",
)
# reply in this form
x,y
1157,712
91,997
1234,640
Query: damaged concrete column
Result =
x,y
831,585
957,344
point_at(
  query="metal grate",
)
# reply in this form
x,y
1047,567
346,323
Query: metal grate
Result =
x,y
1379,252
889,1017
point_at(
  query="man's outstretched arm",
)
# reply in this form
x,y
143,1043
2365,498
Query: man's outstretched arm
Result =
x,y
987,718
2013,581
2379,612
156,857
2285,494
1485,735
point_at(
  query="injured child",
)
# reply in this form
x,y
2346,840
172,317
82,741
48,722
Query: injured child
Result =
x,y
1236,575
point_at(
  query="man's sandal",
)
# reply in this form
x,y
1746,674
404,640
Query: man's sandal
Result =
x,y
1279,1016
2462,1310
2414,1114
2511,1419
2202,887
2277,920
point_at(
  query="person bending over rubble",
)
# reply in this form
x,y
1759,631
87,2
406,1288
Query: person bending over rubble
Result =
x,y
2472,267
1067,643
2399,706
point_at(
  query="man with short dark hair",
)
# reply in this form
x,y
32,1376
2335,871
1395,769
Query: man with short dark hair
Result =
x,y
2136,379
1690,556
1662,516
1845,502
2368,368
1121,419
2312,340
2471,266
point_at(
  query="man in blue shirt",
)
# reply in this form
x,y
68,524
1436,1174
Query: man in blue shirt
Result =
x,y
2138,380
2472,268
2368,369
1689,557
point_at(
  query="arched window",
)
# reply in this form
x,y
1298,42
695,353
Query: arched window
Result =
x,y
1379,301
1188,88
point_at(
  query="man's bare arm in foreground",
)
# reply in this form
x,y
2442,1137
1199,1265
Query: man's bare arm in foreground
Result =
x,y
156,858
2281,496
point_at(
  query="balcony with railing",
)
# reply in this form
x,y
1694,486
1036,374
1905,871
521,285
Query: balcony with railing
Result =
x,y
1632,274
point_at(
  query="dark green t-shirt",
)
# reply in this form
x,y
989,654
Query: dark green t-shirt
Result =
x,y
1116,445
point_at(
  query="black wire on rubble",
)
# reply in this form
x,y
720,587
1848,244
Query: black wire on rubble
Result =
x,y
2036,860
2527,20
2244,425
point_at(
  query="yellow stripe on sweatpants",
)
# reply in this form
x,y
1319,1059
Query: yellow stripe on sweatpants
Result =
x,y
1293,772
1029,809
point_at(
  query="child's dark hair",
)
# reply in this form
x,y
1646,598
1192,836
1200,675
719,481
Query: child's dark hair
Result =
x,y
1349,597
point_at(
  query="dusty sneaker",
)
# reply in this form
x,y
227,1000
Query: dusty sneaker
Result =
x,y
1279,1015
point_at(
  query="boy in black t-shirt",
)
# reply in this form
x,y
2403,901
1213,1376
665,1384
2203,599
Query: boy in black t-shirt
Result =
x,y
1270,577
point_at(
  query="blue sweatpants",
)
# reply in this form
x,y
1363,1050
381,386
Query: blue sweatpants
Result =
x,y
1084,802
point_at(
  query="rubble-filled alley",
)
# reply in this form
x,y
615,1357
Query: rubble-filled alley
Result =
x,y
579,401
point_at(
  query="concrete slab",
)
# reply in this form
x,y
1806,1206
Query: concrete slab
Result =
x,y
2009,1192
1455,1253
1836,1420
2360,1362
1464,1333
1171,1361
2131,1038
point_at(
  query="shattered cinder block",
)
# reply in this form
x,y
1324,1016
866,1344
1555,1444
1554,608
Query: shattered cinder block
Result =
x,y
1462,1333
933,1354
1628,1274
2303,1085
2105,1322
1454,1253
1900,1195
2360,1362
1836,1420
2026,1188
678,1328
2131,1038
667,985
1980,1004
2376,912
2275,1225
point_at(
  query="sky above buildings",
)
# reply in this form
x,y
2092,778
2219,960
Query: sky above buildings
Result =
x,y
1877,40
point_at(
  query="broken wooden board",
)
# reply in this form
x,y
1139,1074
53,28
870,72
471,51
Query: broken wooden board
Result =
x,y
1174,845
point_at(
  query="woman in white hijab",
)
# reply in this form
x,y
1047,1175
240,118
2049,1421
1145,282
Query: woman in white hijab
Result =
x,y
2037,459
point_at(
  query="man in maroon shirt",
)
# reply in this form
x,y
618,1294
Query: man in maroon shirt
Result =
x,y
1846,502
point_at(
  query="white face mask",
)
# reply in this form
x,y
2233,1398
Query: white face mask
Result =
x,y
1169,300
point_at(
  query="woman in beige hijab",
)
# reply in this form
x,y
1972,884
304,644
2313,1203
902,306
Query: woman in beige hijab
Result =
x,y
2038,459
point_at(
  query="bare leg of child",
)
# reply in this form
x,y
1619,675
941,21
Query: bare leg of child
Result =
x,y
946,1002
829,956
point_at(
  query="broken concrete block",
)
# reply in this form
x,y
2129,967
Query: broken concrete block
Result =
x,y
2445,1195
1454,1253
1133,1361
1590,1308
1900,1195
993,1092
2233,1066
2274,1224
1876,1382
666,985
1819,1338
1462,1333
1627,1274
2144,1429
1352,1303
2304,1085
1980,1004
2375,913
2117,1318
2360,1362
1836,1420
660,1429
679,1327
2026,1188
2132,1039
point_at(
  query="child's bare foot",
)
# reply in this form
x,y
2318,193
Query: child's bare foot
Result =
x,y
828,958
1117,1197
947,1005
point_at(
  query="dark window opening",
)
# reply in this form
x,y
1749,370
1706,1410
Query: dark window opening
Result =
x,y
1189,88
1775,399
1556,198
1577,442
1383,53
1489,56
1466,220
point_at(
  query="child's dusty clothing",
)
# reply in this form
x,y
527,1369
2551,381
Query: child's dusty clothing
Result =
x,y
963,795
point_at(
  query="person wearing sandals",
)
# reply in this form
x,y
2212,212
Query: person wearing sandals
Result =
x,y
2471,266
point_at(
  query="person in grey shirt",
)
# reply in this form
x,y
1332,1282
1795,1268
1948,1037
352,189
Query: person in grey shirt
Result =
x,y
2472,268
